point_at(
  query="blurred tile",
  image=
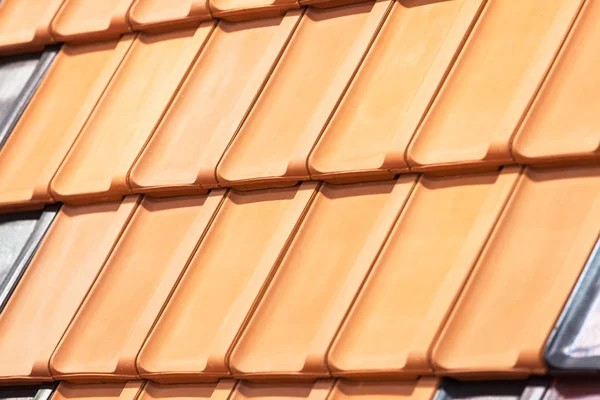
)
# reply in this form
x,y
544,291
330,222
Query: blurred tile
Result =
x,y
19,79
25,25
423,389
574,388
141,90
87,20
532,389
318,390
43,392
107,333
319,276
491,86
20,236
45,132
190,391
368,134
563,125
54,285
318,64
241,10
183,154
150,15
523,277
574,344
99,391
223,284
419,274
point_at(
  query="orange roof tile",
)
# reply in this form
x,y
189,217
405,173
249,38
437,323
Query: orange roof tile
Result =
x,y
54,285
25,25
318,390
392,90
102,391
273,145
193,391
239,10
107,333
45,132
523,277
419,274
195,334
343,230
184,152
564,124
423,389
87,20
151,15
478,109
98,165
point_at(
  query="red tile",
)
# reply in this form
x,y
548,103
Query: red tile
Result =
x,y
158,15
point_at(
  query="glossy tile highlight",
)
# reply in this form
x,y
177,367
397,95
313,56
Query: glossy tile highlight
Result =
x,y
60,275
97,167
105,337
343,230
523,277
45,132
220,90
491,86
367,136
419,275
318,64
194,337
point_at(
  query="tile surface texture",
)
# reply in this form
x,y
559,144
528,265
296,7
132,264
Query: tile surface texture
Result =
x,y
154,15
54,285
318,390
524,276
494,80
423,389
325,265
273,145
45,132
189,391
98,164
105,337
183,154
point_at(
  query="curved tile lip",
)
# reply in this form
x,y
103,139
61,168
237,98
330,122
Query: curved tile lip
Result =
x,y
582,302
244,14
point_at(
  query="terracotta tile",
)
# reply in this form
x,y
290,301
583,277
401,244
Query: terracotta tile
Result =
x,y
183,154
45,133
20,235
107,333
423,389
241,10
149,15
419,275
523,277
87,20
54,285
98,164
575,388
368,134
273,145
482,102
25,25
99,391
190,391
574,344
19,79
195,334
530,389
563,126
317,390
43,392
343,230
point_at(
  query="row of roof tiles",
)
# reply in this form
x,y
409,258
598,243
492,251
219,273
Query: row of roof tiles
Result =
x,y
352,93
461,276
423,389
